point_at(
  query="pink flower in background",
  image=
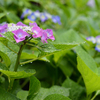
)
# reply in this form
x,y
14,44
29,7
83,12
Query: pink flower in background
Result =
x,y
20,24
44,36
33,24
50,34
3,28
19,35
37,32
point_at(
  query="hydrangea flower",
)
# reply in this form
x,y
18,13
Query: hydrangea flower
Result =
x,y
3,28
19,35
32,17
42,15
44,36
91,3
98,39
37,13
97,47
56,19
92,39
33,24
20,24
50,34
26,12
0,35
21,31
95,40
37,32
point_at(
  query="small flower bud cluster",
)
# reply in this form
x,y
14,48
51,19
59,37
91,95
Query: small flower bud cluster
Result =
x,y
21,30
42,15
95,40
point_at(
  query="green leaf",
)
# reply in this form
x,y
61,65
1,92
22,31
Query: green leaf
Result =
x,y
56,97
46,47
5,58
34,87
89,71
4,95
75,89
66,65
2,15
81,3
70,37
16,87
9,36
64,41
44,92
22,95
18,75
10,49
26,55
2,66
12,17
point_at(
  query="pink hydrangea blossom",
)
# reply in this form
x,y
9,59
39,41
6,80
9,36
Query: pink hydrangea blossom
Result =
x,y
0,35
44,36
19,35
3,28
33,24
21,30
50,34
20,24
37,32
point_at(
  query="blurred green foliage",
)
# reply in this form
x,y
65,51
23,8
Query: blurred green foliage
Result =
x,y
65,71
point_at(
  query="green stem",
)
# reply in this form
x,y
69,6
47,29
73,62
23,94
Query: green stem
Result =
x,y
93,97
89,96
18,57
11,81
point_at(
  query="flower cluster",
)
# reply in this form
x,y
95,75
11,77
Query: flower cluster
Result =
x,y
91,3
42,15
21,31
95,40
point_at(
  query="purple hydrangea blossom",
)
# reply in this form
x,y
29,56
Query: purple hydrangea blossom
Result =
x,y
37,32
97,47
37,13
92,39
49,16
26,12
43,17
95,40
98,39
91,3
3,28
50,34
32,17
19,35
56,19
